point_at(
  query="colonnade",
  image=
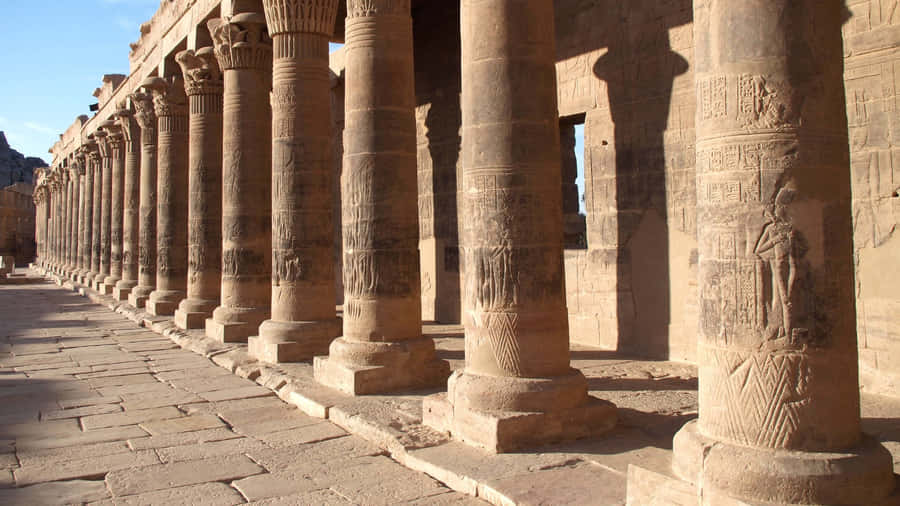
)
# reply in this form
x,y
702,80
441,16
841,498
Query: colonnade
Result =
x,y
224,221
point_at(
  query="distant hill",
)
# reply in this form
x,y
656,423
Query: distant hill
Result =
x,y
14,166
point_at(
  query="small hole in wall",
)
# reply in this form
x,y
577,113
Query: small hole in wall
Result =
x,y
605,143
896,194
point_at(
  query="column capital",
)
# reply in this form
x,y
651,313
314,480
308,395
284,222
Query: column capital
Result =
x,y
114,135
241,41
365,8
125,119
169,98
201,72
80,160
143,107
301,16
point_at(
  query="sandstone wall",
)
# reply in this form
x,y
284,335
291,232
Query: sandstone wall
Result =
x,y
17,214
626,66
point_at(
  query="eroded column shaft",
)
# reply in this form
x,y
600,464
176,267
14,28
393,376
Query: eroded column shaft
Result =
x,y
146,119
87,221
777,338
130,204
116,206
303,321
105,207
382,288
203,84
246,177
172,185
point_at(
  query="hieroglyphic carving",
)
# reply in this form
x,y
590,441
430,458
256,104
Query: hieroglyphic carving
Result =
x,y
713,97
764,103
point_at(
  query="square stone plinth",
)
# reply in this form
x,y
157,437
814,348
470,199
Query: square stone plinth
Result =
x,y
97,286
287,351
190,321
367,380
648,488
504,431
106,289
161,308
136,300
121,294
228,332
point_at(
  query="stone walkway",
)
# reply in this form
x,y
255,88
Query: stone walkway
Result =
x,y
211,428
94,409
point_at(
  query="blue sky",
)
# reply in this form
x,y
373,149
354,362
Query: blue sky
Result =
x,y
54,55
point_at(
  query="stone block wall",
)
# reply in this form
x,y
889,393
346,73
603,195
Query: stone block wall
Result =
x,y
17,216
872,75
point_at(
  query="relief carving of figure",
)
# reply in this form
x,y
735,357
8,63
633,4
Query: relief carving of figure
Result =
x,y
780,250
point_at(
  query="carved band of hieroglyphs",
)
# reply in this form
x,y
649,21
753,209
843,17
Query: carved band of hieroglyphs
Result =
x,y
751,101
369,273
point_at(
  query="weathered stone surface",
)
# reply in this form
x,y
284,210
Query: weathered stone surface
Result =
x,y
97,409
85,468
182,424
206,494
64,492
164,476
247,185
205,450
182,439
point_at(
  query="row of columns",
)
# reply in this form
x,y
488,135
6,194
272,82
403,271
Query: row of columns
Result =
x,y
233,192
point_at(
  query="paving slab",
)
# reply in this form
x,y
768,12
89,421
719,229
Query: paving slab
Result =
x,y
182,424
86,468
205,494
165,476
60,492
132,417
183,439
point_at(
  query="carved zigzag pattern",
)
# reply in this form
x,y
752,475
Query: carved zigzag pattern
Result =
x,y
764,395
501,329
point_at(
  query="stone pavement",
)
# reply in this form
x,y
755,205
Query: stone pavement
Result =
x,y
655,398
94,409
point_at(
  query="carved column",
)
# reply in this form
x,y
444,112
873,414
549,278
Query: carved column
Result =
x,y
116,143
78,229
203,84
303,321
382,348
96,215
779,390
103,143
517,388
170,104
68,204
86,226
54,219
244,53
59,224
76,219
146,119
130,203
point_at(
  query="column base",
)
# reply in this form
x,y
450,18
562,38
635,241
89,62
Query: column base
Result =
x,y
109,284
462,414
139,296
365,368
225,332
235,324
192,313
164,302
280,342
862,475
123,289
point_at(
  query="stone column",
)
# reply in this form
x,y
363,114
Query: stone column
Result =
x,y
116,203
78,229
779,390
244,53
105,146
130,203
203,84
66,260
303,321
73,230
170,104
517,388
96,213
146,119
86,225
382,348
54,219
